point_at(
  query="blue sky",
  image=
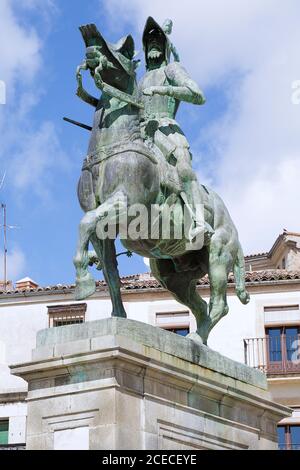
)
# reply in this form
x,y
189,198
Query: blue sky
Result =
x,y
245,140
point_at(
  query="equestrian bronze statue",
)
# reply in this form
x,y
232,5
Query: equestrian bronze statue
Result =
x,y
137,181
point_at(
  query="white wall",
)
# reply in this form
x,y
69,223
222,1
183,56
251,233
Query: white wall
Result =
x,y
16,412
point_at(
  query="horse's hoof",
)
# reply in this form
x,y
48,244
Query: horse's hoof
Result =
x,y
119,314
244,297
85,288
195,337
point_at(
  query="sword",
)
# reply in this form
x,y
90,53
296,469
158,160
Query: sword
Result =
x,y
79,124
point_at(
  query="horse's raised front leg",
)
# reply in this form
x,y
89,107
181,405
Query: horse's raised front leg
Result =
x,y
85,283
109,211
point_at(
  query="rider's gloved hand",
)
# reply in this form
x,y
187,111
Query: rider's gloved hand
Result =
x,y
93,57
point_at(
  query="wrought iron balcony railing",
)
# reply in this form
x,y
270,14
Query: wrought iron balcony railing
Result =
x,y
273,355
289,446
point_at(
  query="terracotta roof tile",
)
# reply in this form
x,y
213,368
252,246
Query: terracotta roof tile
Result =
x,y
146,281
257,255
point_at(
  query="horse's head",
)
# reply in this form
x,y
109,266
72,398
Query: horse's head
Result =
x,y
114,62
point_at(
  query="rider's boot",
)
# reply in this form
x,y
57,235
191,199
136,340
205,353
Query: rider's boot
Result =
x,y
200,230
199,227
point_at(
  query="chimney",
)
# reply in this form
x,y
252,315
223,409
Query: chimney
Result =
x,y
9,285
26,283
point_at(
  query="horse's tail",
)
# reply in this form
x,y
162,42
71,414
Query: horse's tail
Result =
x,y
239,274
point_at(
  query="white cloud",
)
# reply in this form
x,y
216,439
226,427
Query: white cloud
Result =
x,y
42,153
268,204
28,152
147,262
19,48
250,50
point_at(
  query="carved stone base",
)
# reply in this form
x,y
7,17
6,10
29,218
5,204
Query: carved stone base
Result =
x,y
122,384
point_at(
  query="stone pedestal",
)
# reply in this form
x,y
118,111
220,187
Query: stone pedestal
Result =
x,y
122,384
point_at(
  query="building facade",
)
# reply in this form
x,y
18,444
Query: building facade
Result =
x,y
264,334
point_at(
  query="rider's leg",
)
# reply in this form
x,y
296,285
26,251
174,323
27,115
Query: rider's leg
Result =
x,y
192,196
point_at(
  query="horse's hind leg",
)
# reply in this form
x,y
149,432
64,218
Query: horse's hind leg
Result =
x,y
183,286
106,252
220,263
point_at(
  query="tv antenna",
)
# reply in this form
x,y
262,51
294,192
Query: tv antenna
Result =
x,y
5,228
2,180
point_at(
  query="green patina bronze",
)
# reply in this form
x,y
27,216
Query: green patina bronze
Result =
x,y
138,154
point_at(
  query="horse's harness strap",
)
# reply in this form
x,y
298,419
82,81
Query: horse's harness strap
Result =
x,y
105,153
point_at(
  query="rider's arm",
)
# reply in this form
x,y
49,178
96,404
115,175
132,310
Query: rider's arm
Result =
x,y
115,93
181,87
86,97
81,92
93,61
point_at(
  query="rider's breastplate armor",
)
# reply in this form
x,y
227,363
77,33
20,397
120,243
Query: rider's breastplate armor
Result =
x,y
156,106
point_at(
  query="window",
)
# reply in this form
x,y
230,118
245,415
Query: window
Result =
x,y
282,314
61,315
281,308
282,348
4,432
176,322
179,331
276,353
289,437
